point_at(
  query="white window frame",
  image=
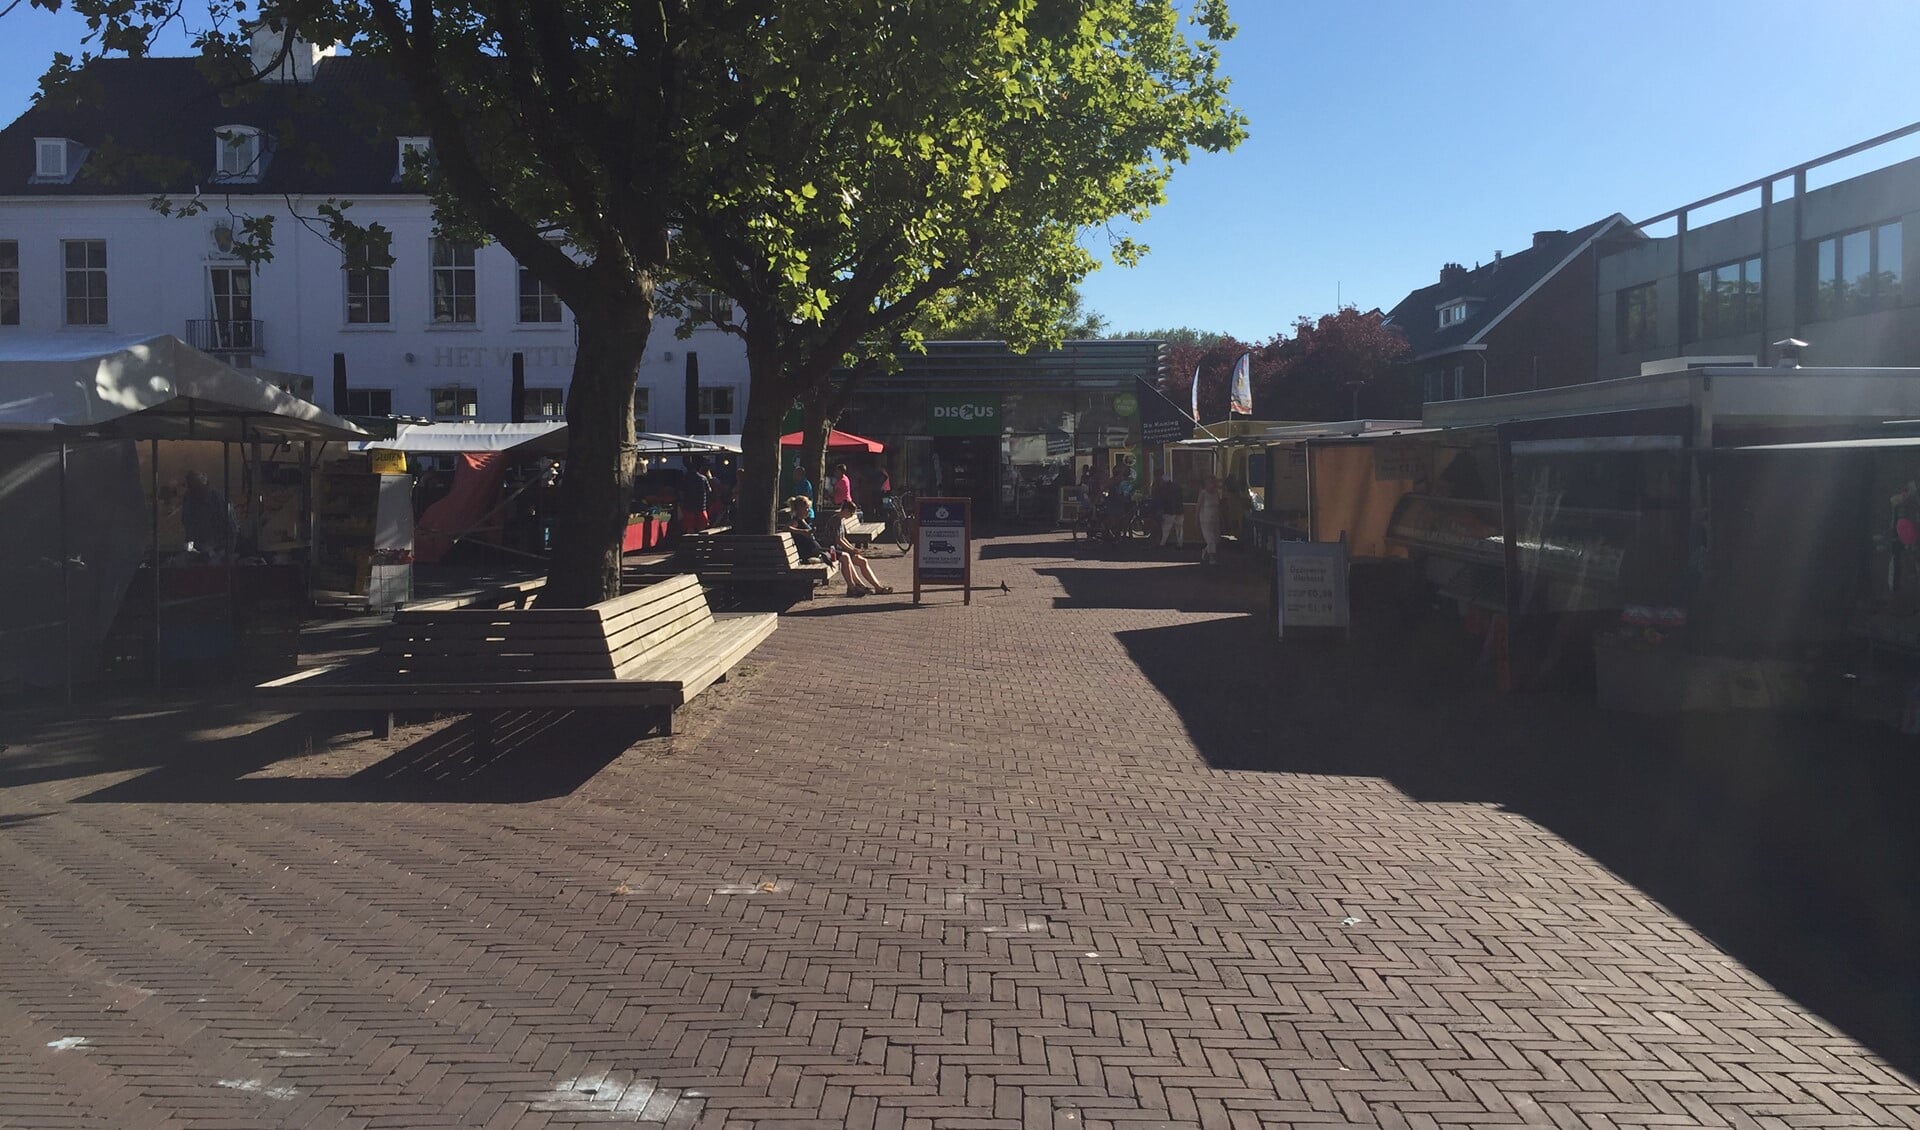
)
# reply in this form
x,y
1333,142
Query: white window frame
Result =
x,y
227,330
556,394
1453,313
10,274
707,418
347,408
469,396
347,271
42,147
453,270
541,294
67,274
237,139
406,145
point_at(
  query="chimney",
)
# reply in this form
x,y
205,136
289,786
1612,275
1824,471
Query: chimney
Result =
x,y
1451,273
301,58
1788,353
1542,238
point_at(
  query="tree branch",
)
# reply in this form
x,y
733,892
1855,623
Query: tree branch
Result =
x,y
412,50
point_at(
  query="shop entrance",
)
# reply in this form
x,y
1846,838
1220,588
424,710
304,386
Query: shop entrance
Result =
x,y
969,467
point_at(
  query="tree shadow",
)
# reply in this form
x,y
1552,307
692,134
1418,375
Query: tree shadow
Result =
x,y
112,735
1790,842
898,602
524,755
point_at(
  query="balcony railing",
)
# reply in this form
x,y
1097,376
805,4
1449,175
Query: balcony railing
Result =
x,y
223,336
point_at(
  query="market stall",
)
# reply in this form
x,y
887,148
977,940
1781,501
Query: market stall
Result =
x,y
494,483
137,449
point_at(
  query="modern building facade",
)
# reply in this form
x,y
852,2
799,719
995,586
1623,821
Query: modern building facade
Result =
x,y
1828,265
975,419
439,334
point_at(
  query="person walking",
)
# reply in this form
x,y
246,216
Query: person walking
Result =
x,y
695,493
841,486
1209,515
1170,502
796,481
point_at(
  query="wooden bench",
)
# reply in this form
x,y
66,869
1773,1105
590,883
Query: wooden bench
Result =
x,y
771,561
863,533
514,594
655,647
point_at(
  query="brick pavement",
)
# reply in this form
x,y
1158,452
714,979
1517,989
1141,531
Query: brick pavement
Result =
x,y
1086,854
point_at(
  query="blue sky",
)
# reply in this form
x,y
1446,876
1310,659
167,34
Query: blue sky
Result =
x,y
1390,137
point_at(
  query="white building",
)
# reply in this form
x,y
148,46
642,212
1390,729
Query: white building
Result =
x,y
83,251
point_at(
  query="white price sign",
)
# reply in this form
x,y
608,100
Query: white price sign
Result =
x,y
1312,585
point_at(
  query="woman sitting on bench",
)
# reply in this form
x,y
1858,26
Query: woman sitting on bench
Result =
x,y
796,524
860,578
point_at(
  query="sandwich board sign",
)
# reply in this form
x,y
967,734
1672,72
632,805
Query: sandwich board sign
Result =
x,y
1310,595
943,546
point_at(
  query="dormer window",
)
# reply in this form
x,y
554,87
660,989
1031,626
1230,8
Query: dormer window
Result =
x,y
237,153
56,159
1456,310
414,153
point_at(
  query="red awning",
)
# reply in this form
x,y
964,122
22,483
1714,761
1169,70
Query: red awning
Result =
x,y
838,440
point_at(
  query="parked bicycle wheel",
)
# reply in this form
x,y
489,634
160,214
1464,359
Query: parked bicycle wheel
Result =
x,y
901,519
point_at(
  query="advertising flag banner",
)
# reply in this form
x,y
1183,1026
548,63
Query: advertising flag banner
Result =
x,y
1161,420
1194,411
1240,398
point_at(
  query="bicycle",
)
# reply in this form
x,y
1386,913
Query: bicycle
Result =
x,y
899,509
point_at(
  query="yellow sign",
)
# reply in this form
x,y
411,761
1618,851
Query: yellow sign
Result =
x,y
388,462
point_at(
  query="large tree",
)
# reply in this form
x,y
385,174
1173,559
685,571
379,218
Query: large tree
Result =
x,y
1330,364
830,164
880,159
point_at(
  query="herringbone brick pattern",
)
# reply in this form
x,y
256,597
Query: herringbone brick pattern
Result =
x,y
936,867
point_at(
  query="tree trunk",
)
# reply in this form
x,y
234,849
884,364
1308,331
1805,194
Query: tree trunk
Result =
x,y
815,423
758,497
596,484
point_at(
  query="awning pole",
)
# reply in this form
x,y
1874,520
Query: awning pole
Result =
x,y
226,496
66,585
1510,555
153,484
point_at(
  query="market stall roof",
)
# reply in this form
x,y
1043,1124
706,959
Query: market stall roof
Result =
x,y
151,387
1864,443
837,440
1743,395
655,443
1348,428
1325,430
450,439
545,437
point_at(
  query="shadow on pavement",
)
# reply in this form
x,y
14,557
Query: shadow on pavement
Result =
x,y
1790,842
533,755
1182,586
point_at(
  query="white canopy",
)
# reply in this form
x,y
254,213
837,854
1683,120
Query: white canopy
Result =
x,y
426,439
657,443
154,387
548,437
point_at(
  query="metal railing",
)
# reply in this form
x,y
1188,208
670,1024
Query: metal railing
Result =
x,y
227,336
